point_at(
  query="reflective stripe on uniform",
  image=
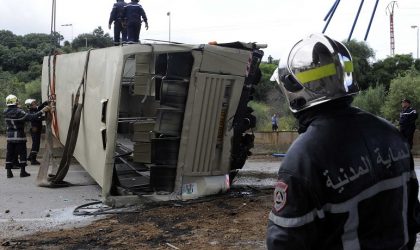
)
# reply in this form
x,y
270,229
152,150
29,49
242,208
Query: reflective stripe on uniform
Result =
x,y
411,112
350,236
16,139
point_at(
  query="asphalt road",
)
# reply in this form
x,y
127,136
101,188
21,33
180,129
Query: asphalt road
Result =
x,y
26,208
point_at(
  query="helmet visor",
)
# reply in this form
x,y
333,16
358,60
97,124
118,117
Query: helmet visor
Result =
x,y
317,64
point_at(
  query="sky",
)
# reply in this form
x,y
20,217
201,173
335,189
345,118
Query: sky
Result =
x,y
277,23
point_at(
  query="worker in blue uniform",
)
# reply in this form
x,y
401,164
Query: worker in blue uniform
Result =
x,y
135,15
15,119
120,23
407,122
36,129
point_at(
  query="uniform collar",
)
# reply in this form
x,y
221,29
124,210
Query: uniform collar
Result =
x,y
330,108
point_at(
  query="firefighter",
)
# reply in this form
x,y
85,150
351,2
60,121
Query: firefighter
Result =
x,y
15,119
36,129
120,24
134,14
407,121
348,181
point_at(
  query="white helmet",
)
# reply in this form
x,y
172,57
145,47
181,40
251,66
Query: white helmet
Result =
x,y
318,70
28,102
11,100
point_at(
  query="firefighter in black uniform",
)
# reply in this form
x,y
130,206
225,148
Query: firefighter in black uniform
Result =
x,y
348,181
134,14
120,25
15,119
408,118
36,129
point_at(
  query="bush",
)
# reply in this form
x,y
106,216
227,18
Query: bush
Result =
x,y
371,100
288,123
263,115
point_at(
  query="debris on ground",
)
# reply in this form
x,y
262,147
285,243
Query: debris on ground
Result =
x,y
236,220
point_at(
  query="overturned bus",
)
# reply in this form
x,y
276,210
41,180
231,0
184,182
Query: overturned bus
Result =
x,y
164,121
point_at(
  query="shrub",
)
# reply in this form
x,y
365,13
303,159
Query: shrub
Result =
x,y
371,99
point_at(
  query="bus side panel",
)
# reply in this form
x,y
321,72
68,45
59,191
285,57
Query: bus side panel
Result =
x,y
95,145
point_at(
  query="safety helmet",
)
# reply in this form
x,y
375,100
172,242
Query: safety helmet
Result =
x,y
11,100
28,102
318,69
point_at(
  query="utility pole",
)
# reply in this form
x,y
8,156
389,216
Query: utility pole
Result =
x,y
390,10
417,27
169,15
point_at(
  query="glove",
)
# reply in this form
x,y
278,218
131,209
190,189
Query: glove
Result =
x,y
46,109
147,26
45,103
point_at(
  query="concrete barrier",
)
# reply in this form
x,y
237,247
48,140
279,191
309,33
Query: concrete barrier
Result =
x,y
279,142
273,142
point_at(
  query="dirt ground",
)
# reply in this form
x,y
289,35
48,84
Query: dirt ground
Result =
x,y
236,220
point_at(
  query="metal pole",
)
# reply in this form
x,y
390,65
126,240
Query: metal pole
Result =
x,y
169,15
86,41
416,27
417,42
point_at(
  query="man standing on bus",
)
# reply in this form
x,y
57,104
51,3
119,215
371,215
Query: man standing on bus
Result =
x,y
134,14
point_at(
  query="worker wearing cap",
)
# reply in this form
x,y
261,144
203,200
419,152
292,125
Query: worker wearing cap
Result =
x,y
15,119
36,129
134,14
348,181
407,122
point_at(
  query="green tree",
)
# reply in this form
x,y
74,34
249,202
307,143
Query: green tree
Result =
x,y
407,86
361,54
98,39
34,40
265,85
417,64
371,99
383,71
8,39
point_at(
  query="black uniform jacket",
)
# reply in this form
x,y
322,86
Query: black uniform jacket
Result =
x,y
117,13
15,121
36,124
134,12
347,182
408,118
